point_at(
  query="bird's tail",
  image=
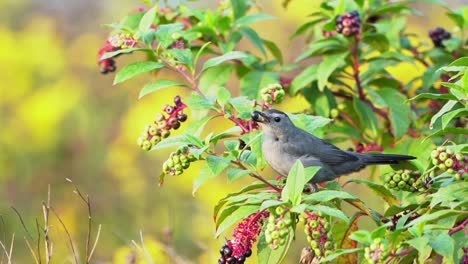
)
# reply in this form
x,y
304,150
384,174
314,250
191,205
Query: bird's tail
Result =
x,y
369,158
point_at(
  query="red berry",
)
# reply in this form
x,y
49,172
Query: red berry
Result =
x,y
176,126
182,117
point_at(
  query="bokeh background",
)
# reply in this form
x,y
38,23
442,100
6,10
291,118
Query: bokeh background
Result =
x,y
60,118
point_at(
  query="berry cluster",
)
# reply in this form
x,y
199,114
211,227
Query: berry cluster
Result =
x,y
178,161
114,43
273,93
160,128
404,180
348,24
236,251
277,229
377,252
453,163
370,147
438,35
317,230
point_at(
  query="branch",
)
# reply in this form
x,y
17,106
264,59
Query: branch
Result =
x,y
258,177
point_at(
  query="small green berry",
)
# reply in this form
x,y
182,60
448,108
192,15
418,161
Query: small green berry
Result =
x,y
146,145
275,235
279,210
140,141
405,177
442,167
334,113
435,162
341,107
155,140
402,184
396,178
449,163
441,149
153,130
178,167
434,153
165,133
185,165
176,158
317,252
159,117
443,156
281,224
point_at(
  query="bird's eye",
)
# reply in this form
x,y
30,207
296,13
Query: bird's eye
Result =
x,y
277,119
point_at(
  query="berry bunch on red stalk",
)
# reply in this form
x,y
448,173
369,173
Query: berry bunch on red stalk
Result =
x,y
162,125
236,251
114,43
447,160
438,35
348,24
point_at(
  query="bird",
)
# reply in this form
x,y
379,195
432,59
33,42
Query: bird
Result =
x,y
284,143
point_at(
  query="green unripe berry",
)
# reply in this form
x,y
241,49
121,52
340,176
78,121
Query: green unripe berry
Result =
x,y
165,133
411,181
388,177
153,130
165,167
435,162
317,252
178,167
396,178
275,235
284,233
405,177
441,149
192,157
267,98
326,226
268,238
313,244
443,156
459,156
314,224
316,234
178,172
449,151
185,165
140,141
279,210
334,113
279,95
288,222
392,184
341,107
271,227
271,219
183,149
155,140
162,124
144,134
328,253
281,224
328,245
176,158
146,145
184,159
175,36
374,246
281,241
448,163
442,167
159,117
434,153
170,163
402,184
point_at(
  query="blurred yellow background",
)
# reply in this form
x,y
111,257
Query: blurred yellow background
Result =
x,y
60,118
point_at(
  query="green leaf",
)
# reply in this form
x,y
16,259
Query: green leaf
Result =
x,y
214,78
453,114
309,123
183,56
270,203
243,105
147,19
295,182
252,82
361,236
447,107
234,174
112,54
366,115
239,8
431,217
433,96
246,189
328,66
444,245
329,211
252,35
274,50
340,252
328,195
135,69
197,127
217,164
266,255
463,61
198,102
232,55
158,85
304,78
245,20
422,245
164,33
379,190
377,41
399,110
310,172
237,215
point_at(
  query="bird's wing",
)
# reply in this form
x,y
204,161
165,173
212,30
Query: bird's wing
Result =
x,y
307,146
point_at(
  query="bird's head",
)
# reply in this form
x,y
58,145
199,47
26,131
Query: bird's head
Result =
x,y
273,121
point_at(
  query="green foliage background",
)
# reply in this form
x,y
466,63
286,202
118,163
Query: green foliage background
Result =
x,y
60,118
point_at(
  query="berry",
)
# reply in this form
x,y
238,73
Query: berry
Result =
x,y
177,100
159,117
227,251
168,109
443,156
162,124
182,117
348,24
146,145
173,121
334,113
438,35
449,163
165,133
153,130
155,140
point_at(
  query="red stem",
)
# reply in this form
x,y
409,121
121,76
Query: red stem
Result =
x,y
258,177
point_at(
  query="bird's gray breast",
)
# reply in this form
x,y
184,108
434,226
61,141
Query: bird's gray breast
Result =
x,y
276,155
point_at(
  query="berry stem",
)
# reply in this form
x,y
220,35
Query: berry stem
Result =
x,y
459,227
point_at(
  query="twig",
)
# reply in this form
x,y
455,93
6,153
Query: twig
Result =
x,y
38,241
68,234
95,243
8,254
22,222
46,211
458,227
31,250
88,204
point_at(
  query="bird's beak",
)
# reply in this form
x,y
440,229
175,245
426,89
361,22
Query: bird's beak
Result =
x,y
260,117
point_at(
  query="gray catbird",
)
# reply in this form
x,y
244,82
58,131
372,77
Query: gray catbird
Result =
x,y
284,143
